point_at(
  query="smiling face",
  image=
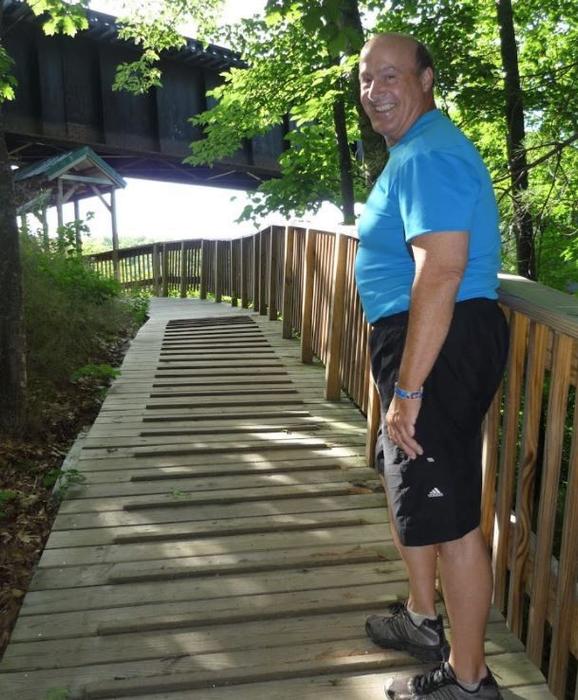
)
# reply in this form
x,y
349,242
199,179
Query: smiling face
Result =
x,y
394,93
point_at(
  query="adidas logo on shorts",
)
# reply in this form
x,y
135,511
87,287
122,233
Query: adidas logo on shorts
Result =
x,y
435,493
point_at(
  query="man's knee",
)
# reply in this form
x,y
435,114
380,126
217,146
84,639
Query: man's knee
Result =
x,y
460,548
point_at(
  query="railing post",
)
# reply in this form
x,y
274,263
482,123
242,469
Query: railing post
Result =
x,y
273,260
234,267
183,290
373,420
156,270
204,269
306,320
256,266
336,318
288,283
218,273
165,274
263,286
245,272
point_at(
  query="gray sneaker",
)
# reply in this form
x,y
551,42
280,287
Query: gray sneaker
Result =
x,y
426,642
440,684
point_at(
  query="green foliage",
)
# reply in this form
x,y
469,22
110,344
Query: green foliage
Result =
x,y
7,81
154,27
71,313
102,373
58,694
62,480
64,17
6,497
292,70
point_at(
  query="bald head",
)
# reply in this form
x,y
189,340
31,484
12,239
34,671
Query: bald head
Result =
x,y
422,56
396,79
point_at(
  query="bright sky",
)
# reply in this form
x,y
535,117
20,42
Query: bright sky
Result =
x,y
166,211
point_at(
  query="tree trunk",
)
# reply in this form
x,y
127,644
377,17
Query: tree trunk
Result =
x,y
12,340
517,161
345,166
374,146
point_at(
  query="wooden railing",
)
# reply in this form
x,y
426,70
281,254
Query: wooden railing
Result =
x,y
530,487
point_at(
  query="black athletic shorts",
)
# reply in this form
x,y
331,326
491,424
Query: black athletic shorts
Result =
x,y
436,497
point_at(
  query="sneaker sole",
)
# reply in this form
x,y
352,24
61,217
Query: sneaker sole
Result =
x,y
419,652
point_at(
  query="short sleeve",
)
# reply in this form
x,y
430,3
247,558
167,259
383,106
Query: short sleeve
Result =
x,y
438,191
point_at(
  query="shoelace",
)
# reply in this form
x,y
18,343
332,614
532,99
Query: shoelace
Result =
x,y
396,608
432,680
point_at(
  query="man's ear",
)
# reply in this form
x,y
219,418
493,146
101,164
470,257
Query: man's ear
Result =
x,y
427,79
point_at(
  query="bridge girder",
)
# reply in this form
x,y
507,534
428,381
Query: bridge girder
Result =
x,y
64,99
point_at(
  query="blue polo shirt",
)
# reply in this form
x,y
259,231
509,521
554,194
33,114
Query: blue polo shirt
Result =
x,y
434,180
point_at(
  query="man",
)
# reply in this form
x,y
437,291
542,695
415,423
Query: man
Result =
x,y
426,271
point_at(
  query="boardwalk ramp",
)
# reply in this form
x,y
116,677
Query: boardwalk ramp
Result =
x,y
229,540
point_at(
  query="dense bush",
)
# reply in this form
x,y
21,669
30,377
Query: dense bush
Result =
x,y
71,314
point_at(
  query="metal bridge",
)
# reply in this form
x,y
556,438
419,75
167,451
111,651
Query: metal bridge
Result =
x,y
65,99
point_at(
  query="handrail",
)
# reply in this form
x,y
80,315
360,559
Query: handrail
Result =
x,y
530,459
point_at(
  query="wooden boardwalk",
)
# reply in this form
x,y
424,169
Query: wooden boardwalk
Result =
x,y
228,542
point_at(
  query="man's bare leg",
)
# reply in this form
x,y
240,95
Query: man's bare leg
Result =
x,y
466,573
421,568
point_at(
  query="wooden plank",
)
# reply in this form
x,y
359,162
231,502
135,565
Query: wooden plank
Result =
x,y
207,526
138,476
110,596
192,483
242,562
175,615
339,454
335,500
189,496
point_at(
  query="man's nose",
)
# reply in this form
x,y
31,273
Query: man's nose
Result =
x,y
374,90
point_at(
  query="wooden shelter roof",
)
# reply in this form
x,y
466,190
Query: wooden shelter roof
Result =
x,y
84,172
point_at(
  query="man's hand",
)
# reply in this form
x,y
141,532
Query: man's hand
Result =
x,y
400,422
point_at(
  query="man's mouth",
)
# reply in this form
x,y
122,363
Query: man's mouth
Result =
x,y
384,108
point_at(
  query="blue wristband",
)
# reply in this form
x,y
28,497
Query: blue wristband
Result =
x,y
403,394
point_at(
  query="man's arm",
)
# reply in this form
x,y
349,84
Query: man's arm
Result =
x,y
440,260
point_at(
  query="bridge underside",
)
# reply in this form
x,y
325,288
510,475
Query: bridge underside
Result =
x,y
26,149
64,100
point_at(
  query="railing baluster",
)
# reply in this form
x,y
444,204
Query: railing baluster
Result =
x,y
537,347
557,403
273,256
263,287
562,623
288,281
306,315
515,371
336,316
256,273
